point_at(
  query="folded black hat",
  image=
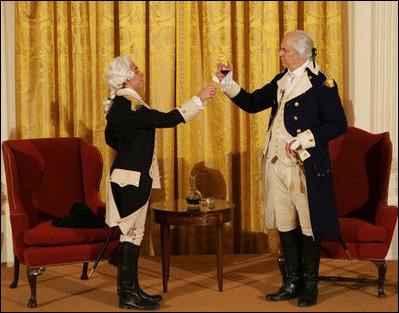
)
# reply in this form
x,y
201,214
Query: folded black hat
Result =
x,y
80,216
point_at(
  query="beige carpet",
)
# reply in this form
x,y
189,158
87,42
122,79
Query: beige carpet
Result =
x,y
193,287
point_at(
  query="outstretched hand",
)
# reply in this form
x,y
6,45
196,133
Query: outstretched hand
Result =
x,y
207,93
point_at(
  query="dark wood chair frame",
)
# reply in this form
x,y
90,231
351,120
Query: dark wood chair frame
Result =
x,y
32,273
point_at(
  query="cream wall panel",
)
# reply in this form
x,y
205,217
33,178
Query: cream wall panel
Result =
x,y
359,62
7,118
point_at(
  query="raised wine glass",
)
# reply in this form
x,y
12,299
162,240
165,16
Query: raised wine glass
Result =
x,y
225,70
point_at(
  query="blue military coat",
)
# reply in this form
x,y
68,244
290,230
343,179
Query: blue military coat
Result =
x,y
319,110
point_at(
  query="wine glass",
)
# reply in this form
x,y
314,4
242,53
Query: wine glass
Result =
x,y
225,70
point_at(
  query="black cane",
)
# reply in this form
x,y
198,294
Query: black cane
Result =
x,y
344,246
103,250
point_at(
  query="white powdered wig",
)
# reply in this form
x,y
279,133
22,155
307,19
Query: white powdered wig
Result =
x,y
302,44
117,73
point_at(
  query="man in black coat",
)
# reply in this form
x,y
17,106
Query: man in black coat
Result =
x,y
299,200
130,131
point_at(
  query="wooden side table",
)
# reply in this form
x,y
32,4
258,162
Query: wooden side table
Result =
x,y
176,212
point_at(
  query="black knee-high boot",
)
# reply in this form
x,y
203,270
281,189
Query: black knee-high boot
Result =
x,y
290,242
129,295
311,261
151,298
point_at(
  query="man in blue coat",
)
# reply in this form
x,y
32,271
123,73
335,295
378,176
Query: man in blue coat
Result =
x,y
299,200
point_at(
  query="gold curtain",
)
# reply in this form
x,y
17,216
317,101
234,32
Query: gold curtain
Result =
x,y
63,48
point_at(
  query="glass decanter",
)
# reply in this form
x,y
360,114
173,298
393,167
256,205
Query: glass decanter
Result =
x,y
193,196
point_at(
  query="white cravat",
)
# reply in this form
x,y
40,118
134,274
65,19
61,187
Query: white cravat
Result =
x,y
296,73
289,77
288,80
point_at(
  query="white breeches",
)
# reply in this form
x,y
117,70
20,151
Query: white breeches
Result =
x,y
286,197
136,232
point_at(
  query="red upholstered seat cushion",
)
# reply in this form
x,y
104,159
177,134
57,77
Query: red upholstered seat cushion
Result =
x,y
39,235
357,230
47,256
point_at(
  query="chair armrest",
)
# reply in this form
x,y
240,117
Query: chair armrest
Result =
x,y
19,223
386,216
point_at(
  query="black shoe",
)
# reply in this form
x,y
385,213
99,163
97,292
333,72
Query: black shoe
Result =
x,y
286,292
151,298
130,299
154,298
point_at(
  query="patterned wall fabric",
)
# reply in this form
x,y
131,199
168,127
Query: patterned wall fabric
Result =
x,y
62,51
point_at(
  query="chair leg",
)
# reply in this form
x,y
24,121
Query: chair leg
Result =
x,y
16,272
84,271
32,273
382,269
281,266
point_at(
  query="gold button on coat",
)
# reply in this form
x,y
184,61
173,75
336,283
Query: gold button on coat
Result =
x,y
296,104
298,131
295,118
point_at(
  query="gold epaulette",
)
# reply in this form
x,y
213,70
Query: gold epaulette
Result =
x,y
329,82
135,103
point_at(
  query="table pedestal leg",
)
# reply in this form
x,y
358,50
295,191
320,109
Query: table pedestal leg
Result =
x,y
165,229
219,256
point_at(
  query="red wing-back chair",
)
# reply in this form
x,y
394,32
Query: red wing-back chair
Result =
x,y
45,177
361,166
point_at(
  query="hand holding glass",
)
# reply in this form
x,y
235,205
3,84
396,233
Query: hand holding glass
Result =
x,y
223,70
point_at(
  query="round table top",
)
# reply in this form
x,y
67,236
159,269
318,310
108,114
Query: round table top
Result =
x,y
180,206
179,212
